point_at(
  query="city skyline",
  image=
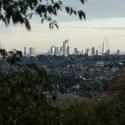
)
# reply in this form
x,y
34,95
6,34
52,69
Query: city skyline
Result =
x,y
56,48
104,19
65,50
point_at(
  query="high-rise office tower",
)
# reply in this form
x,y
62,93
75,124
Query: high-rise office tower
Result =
x,y
97,52
61,51
75,51
25,51
57,51
32,51
108,52
118,52
52,50
93,51
87,52
68,50
65,45
82,52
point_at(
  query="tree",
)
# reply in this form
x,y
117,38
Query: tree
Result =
x,y
22,101
14,56
22,11
111,110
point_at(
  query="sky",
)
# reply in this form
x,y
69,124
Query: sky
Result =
x,y
104,19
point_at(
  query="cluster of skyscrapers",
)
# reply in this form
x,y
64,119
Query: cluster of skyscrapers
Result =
x,y
64,50
102,52
30,52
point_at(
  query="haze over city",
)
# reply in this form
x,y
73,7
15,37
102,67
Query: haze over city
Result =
x,y
104,19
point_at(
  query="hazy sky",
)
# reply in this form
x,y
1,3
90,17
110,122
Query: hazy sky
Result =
x,y
105,19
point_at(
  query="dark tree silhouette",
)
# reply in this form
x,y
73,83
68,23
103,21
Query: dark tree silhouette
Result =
x,y
14,56
22,11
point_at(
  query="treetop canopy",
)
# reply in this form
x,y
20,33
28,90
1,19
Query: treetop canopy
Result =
x,y
22,11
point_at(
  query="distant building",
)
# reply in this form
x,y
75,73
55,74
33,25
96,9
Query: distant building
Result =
x,y
68,50
57,51
118,52
52,50
108,52
61,51
97,52
25,51
32,51
82,52
75,51
93,51
87,52
65,46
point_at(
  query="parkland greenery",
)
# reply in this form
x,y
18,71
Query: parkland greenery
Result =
x,y
23,102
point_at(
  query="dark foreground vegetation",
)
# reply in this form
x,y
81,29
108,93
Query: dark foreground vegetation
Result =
x,y
22,102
